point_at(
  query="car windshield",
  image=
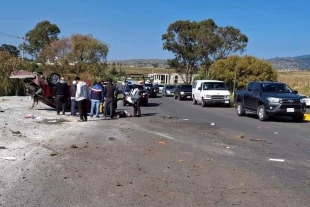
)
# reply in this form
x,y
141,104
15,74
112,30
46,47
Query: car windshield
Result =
x,y
214,86
160,85
276,88
170,87
129,87
148,85
185,86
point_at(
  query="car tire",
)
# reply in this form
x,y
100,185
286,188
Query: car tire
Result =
x,y
261,113
240,110
298,118
52,79
203,104
194,100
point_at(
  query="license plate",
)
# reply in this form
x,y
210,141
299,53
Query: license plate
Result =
x,y
226,101
188,97
290,110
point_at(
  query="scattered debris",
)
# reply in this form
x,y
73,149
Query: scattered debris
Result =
x,y
209,159
1,147
2,111
241,136
181,160
73,146
53,153
161,142
118,184
15,132
257,140
29,116
185,119
212,124
112,138
276,160
276,133
9,158
227,147
197,166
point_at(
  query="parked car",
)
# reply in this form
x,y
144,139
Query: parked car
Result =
x,y
307,99
152,91
161,87
268,99
168,90
183,91
210,92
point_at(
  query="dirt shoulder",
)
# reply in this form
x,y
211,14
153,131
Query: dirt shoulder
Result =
x,y
149,161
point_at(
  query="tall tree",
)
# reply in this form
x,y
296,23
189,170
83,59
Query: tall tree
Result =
x,y
42,34
12,50
86,50
200,43
181,40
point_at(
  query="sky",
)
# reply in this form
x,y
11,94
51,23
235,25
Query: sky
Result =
x,y
133,28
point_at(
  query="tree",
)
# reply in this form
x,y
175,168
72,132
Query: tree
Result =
x,y
86,50
12,50
243,70
155,65
42,34
181,40
200,44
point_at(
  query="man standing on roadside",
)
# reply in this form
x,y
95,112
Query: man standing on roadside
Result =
x,y
73,101
96,96
61,91
81,98
109,90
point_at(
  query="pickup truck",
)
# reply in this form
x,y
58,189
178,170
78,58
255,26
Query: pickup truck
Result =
x,y
268,99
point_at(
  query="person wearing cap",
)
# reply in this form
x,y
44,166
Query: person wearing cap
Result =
x,y
73,101
81,97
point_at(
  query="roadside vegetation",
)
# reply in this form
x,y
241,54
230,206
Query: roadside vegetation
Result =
x,y
202,48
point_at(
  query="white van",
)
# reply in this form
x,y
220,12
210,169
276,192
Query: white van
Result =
x,y
210,92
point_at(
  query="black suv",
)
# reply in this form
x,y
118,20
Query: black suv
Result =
x,y
183,91
268,99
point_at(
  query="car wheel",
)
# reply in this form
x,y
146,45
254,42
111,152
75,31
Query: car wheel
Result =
x,y
53,78
240,109
298,118
194,100
203,104
261,113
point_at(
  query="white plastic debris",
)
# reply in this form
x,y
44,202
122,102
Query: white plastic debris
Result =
x,y
276,160
276,133
9,158
212,124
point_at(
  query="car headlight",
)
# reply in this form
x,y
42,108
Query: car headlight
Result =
x,y
207,96
274,100
182,93
303,100
227,96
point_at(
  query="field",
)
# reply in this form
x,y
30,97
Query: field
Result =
x,y
297,80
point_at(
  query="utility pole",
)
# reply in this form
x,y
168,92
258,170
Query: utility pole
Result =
x,y
23,48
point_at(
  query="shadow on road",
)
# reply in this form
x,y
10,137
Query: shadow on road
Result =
x,y
152,105
277,119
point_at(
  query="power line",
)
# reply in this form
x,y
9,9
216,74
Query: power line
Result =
x,y
2,34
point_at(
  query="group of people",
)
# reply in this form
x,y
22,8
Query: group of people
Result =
x,y
81,92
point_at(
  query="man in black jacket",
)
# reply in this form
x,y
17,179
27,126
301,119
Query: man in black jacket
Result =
x,y
61,91
73,101
109,90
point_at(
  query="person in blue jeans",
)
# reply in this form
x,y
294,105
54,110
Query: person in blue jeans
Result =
x,y
96,95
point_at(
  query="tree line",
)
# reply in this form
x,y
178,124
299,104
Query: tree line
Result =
x,y
198,47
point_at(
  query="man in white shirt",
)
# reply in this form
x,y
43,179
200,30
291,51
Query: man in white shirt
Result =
x,y
81,98
134,94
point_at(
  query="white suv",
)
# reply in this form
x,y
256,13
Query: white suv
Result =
x,y
210,92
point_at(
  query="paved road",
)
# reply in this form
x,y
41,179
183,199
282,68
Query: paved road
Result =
x,y
253,142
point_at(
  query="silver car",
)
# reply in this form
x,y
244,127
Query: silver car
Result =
x,y
168,90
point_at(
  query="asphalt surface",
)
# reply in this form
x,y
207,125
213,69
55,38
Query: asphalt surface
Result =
x,y
176,154
253,142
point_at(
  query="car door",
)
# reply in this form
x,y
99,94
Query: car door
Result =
x,y
194,89
247,99
256,96
198,91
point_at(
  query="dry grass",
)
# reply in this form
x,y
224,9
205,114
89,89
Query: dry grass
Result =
x,y
297,80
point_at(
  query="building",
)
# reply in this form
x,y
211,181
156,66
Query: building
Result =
x,y
165,78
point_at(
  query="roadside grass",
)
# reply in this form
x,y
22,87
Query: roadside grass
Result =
x,y
297,80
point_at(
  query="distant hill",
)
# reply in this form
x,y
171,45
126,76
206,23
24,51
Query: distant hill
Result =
x,y
291,63
280,63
